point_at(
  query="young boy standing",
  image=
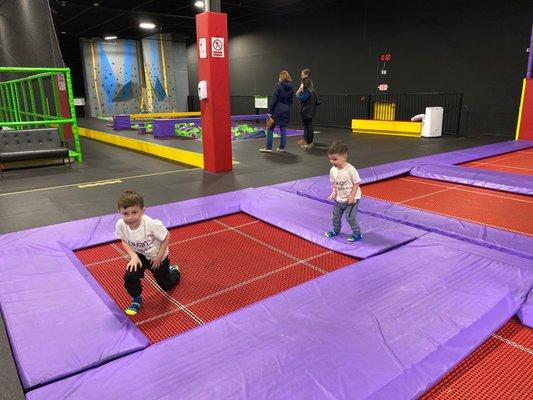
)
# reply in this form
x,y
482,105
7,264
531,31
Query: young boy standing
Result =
x,y
146,242
346,191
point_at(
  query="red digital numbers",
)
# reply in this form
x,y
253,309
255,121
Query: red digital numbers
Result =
x,y
385,57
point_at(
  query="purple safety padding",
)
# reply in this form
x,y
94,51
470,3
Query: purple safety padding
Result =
x,y
473,153
309,219
44,288
505,241
386,328
164,127
390,170
121,121
502,181
320,186
56,323
92,231
526,312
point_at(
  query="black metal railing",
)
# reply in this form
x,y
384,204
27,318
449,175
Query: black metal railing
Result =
x,y
338,110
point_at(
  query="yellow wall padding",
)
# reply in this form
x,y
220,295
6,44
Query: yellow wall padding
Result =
x,y
177,155
184,114
396,128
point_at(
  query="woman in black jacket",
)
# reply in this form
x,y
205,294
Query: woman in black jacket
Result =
x,y
279,111
308,103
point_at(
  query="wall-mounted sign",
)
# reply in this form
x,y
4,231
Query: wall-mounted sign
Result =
x,y
61,84
383,87
261,102
217,47
202,47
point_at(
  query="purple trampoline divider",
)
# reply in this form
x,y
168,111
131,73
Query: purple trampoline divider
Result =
x,y
494,238
92,231
121,122
473,153
165,127
58,326
502,181
309,219
385,328
320,186
526,312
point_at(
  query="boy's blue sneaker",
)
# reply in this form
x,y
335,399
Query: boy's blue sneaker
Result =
x,y
173,269
330,233
135,305
175,273
355,238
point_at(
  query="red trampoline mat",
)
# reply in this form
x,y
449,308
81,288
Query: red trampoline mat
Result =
x,y
508,211
501,368
226,263
517,162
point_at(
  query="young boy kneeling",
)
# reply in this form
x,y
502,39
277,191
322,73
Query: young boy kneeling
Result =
x,y
146,242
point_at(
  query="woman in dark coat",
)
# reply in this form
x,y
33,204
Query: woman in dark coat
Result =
x,y
279,111
308,102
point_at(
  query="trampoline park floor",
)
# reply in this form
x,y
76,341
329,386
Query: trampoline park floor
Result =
x,y
517,162
509,211
227,263
501,368
43,196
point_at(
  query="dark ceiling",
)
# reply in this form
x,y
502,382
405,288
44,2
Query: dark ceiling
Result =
x,y
96,18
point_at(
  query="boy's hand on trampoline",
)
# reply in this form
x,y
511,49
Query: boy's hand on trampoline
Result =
x,y
133,264
332,196
156,262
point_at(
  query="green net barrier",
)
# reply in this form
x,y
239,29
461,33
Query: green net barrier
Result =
x,y
39,98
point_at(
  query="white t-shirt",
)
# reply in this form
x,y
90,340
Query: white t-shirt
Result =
x,y
344,179
146,239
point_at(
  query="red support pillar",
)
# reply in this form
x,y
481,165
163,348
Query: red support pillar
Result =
x,y
212,41
64,105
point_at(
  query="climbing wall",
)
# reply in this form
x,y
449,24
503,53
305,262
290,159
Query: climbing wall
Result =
x,y
128,76
165,73
112,79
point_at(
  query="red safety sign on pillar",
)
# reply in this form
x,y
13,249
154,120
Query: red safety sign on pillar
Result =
x,y
64,105
213,90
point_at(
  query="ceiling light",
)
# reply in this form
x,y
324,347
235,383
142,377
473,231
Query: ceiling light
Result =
x,y
199,4
110,37
146,25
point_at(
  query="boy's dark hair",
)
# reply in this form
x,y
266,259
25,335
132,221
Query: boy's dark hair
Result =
x,y
130,198
338,147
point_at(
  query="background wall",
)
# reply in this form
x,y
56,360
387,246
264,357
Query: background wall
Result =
x,y
130,76
24,47
474,47
165,68
112,79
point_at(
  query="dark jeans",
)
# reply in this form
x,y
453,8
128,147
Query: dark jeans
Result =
x,y
308,130
283,137
162,275
351,216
